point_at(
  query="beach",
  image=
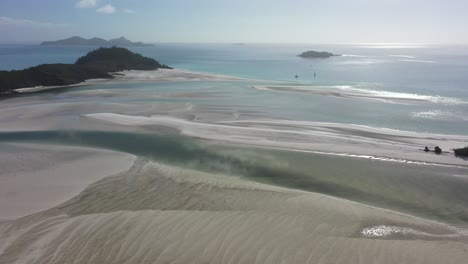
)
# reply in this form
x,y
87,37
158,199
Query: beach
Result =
x,y
38,177
251,129
104,174
167,214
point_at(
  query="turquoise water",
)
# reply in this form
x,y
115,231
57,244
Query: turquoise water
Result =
x,y
440,73
433,192
241,97
430,70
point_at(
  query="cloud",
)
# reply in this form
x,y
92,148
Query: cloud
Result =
x,y
86,3
107,9
129,11
8,22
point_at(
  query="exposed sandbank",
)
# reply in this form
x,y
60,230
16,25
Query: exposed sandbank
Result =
x,y
214,123
160,213
160,75
37,177
343,139
157,213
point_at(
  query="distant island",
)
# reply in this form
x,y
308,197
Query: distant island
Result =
x,y
316,54
98,63
79,41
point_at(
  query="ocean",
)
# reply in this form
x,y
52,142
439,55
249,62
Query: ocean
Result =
x,y
402,87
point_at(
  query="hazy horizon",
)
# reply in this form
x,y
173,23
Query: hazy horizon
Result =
x,y
258,21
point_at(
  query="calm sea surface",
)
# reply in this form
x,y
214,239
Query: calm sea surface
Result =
x,y
437,75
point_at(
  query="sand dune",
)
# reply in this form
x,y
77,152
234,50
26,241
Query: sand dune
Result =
x,y
157,213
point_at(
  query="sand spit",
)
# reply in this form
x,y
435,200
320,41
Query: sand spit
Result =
x,y
323,138
37,177
160,75
171,75
157,213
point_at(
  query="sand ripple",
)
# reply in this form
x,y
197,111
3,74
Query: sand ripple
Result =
x,y
157,213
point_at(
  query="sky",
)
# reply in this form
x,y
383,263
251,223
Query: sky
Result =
x,y
228,21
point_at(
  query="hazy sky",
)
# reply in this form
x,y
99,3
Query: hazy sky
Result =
x,y
293,21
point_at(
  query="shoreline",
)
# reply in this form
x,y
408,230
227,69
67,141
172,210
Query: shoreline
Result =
x,y
159,75
314,137
180,212
319,137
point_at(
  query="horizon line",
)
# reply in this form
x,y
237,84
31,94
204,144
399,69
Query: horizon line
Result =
x,y
409,44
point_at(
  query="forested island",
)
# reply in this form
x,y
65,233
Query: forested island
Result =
x,y
79,41
316,54
98,63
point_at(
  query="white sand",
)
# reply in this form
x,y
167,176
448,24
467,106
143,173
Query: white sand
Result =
x,y
163,214
160,75
156,213
170,75
35,178
325,138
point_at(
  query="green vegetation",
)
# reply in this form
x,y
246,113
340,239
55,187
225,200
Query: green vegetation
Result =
x,y
118,59
48,75
96,64
461,152
316,54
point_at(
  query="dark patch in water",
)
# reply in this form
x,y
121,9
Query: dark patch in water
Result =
x,y
399,187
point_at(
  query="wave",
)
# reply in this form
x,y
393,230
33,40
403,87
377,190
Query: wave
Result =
x,y
348,91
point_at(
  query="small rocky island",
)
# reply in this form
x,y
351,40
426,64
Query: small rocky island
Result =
x,y
316,55
79,41
98,63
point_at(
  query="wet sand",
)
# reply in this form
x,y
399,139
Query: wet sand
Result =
x,y
326,138
90,207
160,75
157,213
